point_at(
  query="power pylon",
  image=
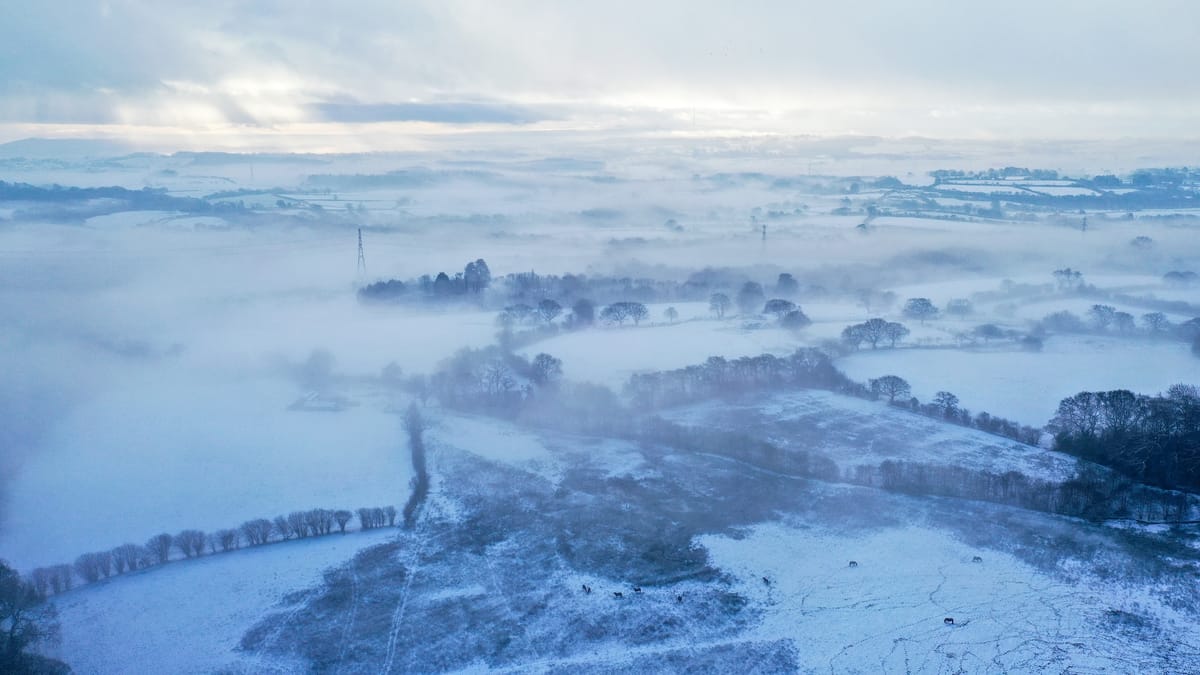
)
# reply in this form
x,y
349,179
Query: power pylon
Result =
x,y
362,259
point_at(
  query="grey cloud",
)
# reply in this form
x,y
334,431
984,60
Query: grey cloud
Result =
x,y
448,113
1063,61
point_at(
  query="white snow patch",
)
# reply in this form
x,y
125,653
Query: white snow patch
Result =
x,y
189,616
888,613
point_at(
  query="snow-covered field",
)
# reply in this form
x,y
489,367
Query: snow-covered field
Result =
x,y
189,616
853,432
1027,386
888,613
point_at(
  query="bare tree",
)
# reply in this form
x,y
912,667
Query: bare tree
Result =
x,y
989,332
298,522
160,546
671,314
127,557
63,579
891,386
342,517
895,332
750,297
87,568
1124,322
795,320
719,304
257,531
1102,316
320,521
366,520
920,309
873,330
549,310
853,335
947,402
25,621
283,527
583,313
190,543
1156,322
497,379
545,369
228,539
104,563
786,286
778,307
40,578
390,513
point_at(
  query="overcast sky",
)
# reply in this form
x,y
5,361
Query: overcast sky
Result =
x,y
225,70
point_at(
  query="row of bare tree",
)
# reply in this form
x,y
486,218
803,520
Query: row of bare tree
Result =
x,y
162,548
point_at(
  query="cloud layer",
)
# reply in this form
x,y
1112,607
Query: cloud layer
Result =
x,y
929,67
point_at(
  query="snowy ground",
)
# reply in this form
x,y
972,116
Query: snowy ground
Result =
x,y
887,614
189,616
1027,386
853,432
492,579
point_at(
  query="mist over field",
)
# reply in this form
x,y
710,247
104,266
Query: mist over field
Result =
x,y
436,337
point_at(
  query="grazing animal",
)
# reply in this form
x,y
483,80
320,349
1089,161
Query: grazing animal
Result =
x,y
976,559
618,594
854,563
949,621
637,589
766,581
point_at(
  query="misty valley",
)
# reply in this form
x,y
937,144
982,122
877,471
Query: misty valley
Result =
x,y
687,408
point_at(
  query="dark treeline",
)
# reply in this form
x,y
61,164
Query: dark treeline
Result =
x,y
475,284
470,283
1093,492
1151,439
493,380
25,623
161,548
1102,319
496,381
106,200
414,424
806,368
717,377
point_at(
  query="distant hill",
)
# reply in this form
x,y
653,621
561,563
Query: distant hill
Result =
x,y
64,148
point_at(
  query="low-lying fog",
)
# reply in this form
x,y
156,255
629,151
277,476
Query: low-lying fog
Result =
x,y
149,357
